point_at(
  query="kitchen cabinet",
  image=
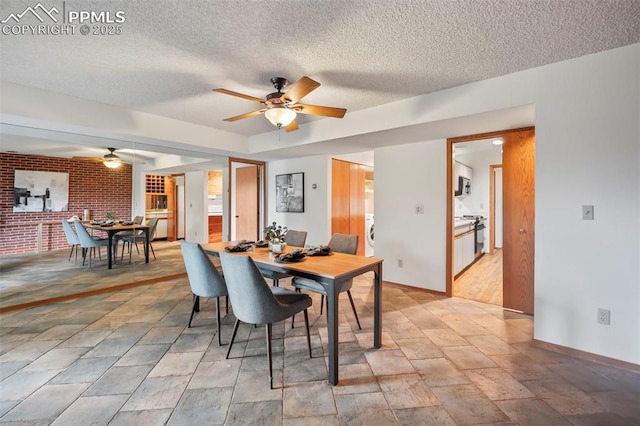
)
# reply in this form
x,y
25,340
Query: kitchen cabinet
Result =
x,y
462,170
215,228
463,247
154,184
161,228
215,183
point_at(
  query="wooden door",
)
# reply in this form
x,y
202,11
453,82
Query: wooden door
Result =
x,y
246,201
518,166
340,172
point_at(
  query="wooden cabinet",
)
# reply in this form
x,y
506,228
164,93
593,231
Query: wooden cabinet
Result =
x,y
154,184
348,199
215,228
215,183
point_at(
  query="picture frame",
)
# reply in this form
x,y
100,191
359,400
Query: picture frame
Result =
x,y
290,193
36,191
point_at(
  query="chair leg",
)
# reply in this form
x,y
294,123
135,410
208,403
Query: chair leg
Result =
x,y
152,251
226,304
196,302
354,309
70,253
218,320
306,323
322,303
233,336
268,328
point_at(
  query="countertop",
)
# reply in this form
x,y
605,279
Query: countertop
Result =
x,y
215,213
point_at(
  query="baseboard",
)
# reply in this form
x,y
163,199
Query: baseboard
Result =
x,y
426,290
586,355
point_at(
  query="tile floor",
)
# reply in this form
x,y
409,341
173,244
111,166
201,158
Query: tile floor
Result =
x,y
127,358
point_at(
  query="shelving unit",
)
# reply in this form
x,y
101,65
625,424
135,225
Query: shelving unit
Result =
x,y
154,184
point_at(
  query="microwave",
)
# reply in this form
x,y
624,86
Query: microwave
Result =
x,y
464,187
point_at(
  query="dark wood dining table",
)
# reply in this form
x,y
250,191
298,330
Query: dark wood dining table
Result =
x,y
332,272
118,227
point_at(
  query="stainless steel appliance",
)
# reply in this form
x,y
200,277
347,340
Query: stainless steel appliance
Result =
x,y
479,226
464,187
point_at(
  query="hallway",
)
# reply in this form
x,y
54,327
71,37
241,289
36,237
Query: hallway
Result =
x,y
482,282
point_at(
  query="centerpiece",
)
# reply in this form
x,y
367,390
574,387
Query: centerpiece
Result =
x,y
275,233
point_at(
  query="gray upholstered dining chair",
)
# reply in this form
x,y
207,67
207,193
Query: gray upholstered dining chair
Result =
x,y
292,238
255,302
89,243
134,239
204,279
72,239
341,243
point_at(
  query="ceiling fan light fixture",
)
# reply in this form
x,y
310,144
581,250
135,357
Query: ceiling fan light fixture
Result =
x,y
112,163
280,116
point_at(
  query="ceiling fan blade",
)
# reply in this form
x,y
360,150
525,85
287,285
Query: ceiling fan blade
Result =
x,y
240,95
300,89
247,115
292,126
320,110
93,159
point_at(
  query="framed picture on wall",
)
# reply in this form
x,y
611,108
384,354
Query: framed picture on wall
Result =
x,y
40,191
290,193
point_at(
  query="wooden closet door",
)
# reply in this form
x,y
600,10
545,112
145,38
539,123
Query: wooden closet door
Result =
x,y
518,165
356,204
340,187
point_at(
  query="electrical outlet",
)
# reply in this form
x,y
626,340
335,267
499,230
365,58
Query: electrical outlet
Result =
x,y
604,316
400,263
419,208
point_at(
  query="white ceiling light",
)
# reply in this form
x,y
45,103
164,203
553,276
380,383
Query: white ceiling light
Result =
x,y
497,142
112,163
280,116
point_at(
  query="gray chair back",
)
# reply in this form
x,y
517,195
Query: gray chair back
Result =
x,y
72,237
86,241
138,220
295,238
153,224
252,300
204,278
344,243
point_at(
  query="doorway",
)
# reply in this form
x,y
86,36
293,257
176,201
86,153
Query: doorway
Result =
x,y
512,265
247,201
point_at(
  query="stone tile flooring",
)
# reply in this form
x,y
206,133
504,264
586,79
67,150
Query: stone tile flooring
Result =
x,y
127,358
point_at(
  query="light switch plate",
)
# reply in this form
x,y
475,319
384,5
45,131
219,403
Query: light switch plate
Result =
x,y
587,212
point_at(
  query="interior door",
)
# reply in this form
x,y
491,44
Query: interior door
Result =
x,y
518,167
247,212
170,188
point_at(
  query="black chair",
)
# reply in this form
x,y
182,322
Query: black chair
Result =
x,y
292,238
254,302
204,279
341,243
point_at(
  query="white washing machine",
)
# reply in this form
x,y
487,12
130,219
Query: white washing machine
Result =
x,y
368,232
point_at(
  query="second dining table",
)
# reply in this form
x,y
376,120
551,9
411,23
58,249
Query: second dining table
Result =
x,y
118,227
332,272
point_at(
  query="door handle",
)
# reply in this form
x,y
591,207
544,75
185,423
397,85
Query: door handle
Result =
x,y
237,217
522,230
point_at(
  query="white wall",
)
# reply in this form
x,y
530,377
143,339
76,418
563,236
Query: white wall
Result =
x,y
196,217
316,219
587,152
406,176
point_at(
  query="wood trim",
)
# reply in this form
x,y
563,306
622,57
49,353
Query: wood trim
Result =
x,y
488,135
91,292
412,288
586,355
449,221
492,206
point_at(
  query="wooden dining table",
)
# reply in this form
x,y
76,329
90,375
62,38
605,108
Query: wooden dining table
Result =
x,y
118,227
332,272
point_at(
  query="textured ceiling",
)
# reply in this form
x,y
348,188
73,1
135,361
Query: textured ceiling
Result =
x,y
365,53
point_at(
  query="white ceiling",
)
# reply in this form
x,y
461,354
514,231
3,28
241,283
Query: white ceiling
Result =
x,y
171,54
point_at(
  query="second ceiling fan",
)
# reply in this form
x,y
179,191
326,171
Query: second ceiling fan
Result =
x,y
281,108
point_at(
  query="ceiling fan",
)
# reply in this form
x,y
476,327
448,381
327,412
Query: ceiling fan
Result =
x,y
110,160
281,108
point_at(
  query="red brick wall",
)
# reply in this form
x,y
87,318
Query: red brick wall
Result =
x,y
91,185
